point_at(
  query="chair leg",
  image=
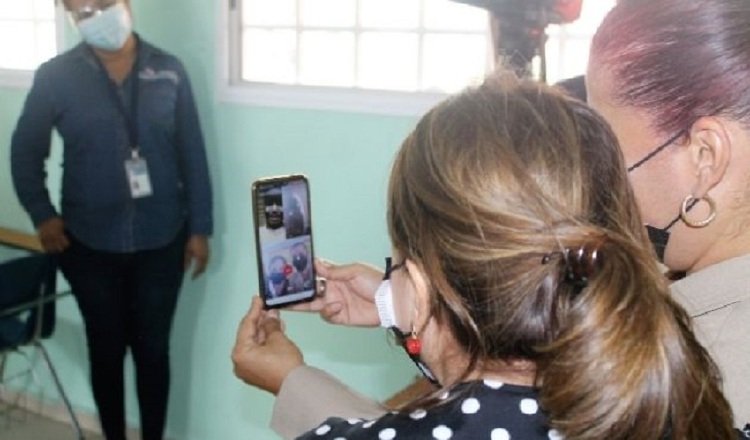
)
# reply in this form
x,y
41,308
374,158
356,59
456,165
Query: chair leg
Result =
x,y
60,389
3,360
9,405
6,410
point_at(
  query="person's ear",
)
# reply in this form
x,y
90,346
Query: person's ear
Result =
x,y
710,152
421,291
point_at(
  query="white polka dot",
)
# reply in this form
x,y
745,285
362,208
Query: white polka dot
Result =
x,y
340,438
529,406
500,434
442,432
322,430
387,434
470,406
494,384
353,421
368,424
445,395
554,434
418,414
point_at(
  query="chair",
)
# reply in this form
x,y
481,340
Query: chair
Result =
x,y
27,314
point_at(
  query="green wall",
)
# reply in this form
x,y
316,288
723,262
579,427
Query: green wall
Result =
x,y
347,158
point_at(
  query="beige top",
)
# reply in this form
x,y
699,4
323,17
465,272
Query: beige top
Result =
x,y
718,299
309,396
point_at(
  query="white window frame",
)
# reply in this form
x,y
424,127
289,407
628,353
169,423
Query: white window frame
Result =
x,y
356,100
231,89
22,78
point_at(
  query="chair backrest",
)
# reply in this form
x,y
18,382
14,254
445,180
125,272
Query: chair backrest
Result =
x,y
24,284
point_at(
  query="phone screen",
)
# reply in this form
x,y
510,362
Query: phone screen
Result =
x,y
283,237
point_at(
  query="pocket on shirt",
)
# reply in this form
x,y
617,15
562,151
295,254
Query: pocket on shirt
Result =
x,y
159,103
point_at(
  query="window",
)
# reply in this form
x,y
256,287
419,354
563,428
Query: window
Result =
x,y
405,45
386,56
391,56
568,45
28,37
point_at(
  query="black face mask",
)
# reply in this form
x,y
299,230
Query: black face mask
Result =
x,y
299,262
659,237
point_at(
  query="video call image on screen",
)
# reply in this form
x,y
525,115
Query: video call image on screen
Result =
x,y
285,241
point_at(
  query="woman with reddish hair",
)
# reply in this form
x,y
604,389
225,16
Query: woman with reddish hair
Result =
x,y
673,80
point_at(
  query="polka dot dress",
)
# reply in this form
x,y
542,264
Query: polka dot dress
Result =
x,y
481,410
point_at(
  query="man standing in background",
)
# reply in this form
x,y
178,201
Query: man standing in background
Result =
x,y
136,198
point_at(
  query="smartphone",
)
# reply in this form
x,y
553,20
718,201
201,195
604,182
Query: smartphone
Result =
x,y
283,240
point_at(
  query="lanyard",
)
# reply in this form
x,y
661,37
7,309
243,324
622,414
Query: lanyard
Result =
x,y
131,118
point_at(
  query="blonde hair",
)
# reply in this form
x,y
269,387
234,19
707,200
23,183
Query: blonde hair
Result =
x,y
486,195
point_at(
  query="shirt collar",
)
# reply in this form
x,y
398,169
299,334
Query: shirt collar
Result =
x,y
714,287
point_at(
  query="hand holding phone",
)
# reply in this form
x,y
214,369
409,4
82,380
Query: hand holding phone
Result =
x,y
349,295
283,240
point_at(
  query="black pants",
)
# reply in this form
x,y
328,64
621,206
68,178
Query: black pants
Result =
x,y
127,300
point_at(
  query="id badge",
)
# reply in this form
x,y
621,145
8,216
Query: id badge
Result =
x,y
138,178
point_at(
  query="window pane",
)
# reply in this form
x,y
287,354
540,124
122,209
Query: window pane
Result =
x,y
269,56
571,62
329,13
388,60
453,61
43,9
12,54
568,45
389,14
407,45
592,13
17,10
269,13
447,14
46,44
553,49
327,58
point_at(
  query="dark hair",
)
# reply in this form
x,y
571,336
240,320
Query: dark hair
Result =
x,y
678,59
501,179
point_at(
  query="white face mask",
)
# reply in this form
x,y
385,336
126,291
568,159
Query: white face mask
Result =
x,y
107,30
384,304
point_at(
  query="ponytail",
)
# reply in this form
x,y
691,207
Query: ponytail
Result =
x,y
489,184
625,364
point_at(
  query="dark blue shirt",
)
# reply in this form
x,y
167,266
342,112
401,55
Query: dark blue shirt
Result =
x,y
70,94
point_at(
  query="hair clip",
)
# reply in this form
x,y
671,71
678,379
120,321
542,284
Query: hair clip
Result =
x,y
581,264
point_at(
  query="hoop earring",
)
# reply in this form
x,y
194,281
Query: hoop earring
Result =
x,y
689,202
